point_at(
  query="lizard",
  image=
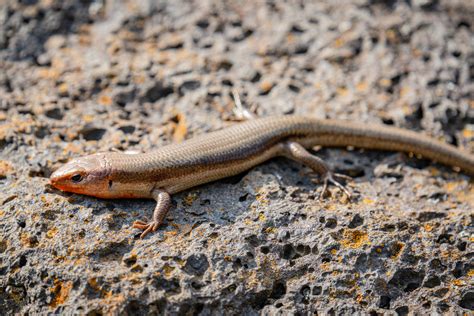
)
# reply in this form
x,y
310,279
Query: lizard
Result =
x,y
211,156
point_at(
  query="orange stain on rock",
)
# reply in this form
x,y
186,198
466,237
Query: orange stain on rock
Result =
x,y
60,291
354,239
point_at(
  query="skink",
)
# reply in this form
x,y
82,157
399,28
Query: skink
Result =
x,y
230,151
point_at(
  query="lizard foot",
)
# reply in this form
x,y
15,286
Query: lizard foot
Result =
x,y
331,178
147,228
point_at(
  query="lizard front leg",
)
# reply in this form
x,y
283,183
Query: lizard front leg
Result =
x,y
163,204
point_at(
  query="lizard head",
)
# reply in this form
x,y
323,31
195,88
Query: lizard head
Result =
x,y
85,175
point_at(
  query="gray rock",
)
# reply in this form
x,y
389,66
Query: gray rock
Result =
x,y
84,77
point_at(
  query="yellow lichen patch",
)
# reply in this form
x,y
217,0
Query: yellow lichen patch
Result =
x,y
262,217
368,201
139,79
5,168
428,227
92,282
354,239
250,278
60,292
325,266
391,35
190,198
404,91
290,38
362,86
333,251
88,118
342,91
271,230
261,197
72,148
339,42
385,82
248,221
180,128
470,273
63,88
105,100
171,233
52,232
181,262
434,171
168,270
2,212
112,301
468,133
136,268
266,86
28,240
451,186
466,195
458,282
396,250
25,239
48,73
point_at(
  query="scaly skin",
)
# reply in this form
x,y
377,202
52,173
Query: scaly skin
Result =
x,y
208,157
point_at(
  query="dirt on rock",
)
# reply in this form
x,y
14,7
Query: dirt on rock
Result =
x,y
79,77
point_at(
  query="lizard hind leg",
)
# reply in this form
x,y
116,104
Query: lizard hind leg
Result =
x,y
163,204
295,151
241,113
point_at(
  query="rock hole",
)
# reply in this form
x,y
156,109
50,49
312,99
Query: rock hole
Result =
x,y
288,252
402,310
305,292
331,223
445,239
278,290
243,197
205,202
432,282
384,302
462,246
55,114
189,85
356,221
202,23
407,279
22,261
127,129
467,301
317,290
92,133
196,264
3,246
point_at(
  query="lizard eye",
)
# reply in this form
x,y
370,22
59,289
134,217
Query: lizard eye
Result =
x,y
76,178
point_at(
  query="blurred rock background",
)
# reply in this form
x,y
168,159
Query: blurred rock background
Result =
x,y
78,77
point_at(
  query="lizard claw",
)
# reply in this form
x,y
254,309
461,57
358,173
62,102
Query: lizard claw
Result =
x,y
330,178
146,227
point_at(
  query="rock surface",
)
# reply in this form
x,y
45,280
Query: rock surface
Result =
x,y
85,76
